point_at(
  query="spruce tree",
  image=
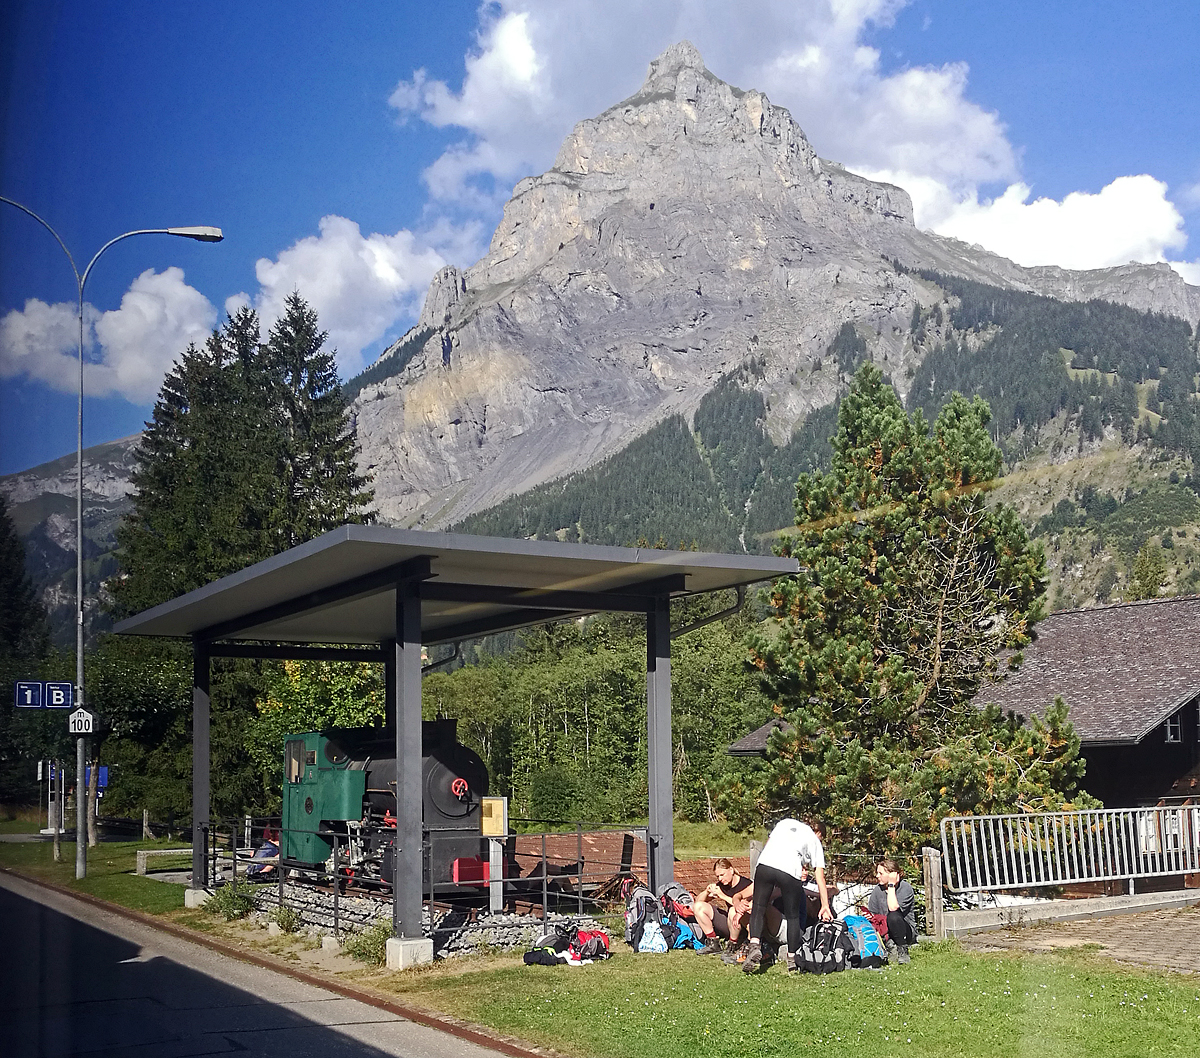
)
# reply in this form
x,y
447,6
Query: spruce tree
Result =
x,y
318,475
248,453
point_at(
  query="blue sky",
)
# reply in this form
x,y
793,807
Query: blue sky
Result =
x,y
349,150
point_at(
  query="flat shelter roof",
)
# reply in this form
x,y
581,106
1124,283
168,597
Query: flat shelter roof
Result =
x,y
341,587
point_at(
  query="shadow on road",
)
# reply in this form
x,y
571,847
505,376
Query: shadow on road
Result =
x,y
67,988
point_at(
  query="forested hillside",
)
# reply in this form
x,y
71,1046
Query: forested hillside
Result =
x,y
1088,400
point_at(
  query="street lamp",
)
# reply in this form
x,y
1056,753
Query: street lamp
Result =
x,y
200,234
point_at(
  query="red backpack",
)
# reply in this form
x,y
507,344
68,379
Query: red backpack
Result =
x,y
590,944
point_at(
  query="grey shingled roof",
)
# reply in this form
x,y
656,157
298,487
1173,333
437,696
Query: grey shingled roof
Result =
x,y
755,743
1122,669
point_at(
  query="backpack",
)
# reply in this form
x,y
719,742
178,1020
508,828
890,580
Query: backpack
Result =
x,y
556,938
590,944
869,952
652,938
641,908
676,898
686,936
827,948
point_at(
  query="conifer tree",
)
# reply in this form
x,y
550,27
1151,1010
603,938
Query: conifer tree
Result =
x,y
912,589
318,476
247,454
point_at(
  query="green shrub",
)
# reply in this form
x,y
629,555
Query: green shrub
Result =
x,y
287,919
370,944
233,900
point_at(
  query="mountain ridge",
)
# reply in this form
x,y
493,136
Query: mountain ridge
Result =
x,y
682,230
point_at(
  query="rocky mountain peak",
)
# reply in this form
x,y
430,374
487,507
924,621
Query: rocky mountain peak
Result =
x,y
684,231
664,71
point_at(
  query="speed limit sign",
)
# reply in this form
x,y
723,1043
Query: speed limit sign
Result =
x,y
80,722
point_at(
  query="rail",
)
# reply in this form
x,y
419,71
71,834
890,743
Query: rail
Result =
x,y
566,873
1064,848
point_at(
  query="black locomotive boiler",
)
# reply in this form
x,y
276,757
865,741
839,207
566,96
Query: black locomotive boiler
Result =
x,y
340,787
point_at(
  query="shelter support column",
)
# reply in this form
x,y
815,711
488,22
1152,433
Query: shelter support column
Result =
x,y
200,764
658,742
408,946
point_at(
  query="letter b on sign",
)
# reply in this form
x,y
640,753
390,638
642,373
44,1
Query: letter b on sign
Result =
x,y
58,695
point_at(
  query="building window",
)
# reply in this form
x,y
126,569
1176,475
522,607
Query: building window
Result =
x,y
1175,729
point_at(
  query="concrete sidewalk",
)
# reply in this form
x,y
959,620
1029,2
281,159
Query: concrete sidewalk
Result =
x,y
1164,939
79,979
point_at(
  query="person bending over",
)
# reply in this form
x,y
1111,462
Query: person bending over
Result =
x,y
721,909
791,852
893,899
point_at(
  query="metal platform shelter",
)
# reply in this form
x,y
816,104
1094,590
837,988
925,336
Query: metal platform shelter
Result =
x,y
369,593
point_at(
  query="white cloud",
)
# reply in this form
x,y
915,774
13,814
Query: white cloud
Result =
x,y
539,66
1190,270
360,286
137,343
1130,219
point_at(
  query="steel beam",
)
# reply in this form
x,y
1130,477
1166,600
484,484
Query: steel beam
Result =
x,y
659,742
405,706
200,763
288,652
536,599
369,584
508,621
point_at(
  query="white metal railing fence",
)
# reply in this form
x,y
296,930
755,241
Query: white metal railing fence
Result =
x,y
1059,848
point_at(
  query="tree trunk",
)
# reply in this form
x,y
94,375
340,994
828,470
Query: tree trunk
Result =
x,y
92,790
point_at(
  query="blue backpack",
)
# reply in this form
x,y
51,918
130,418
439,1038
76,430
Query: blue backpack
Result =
x,y
869,952
686,937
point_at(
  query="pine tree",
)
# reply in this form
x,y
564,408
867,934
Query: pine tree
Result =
x,y
23,629
913,588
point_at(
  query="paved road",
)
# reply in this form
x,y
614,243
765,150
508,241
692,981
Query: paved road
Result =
x,y
1166,939
76,980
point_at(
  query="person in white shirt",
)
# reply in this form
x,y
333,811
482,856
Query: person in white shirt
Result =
x,y
791,853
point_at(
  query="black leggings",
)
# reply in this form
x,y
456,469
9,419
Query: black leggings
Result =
x,y
795,906
899,930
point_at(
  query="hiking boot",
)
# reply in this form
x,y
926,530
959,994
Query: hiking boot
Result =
x,y
712,946
734,955
791,962
754,959
902,953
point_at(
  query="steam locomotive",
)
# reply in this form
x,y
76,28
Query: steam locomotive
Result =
x,y
340,788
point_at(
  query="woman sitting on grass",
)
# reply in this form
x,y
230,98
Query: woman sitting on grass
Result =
x,y
894,901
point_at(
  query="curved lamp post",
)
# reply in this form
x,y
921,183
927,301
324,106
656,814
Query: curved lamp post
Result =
x,y
200,234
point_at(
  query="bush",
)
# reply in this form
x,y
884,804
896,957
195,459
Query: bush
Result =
x,y
233,900
287,919
369,945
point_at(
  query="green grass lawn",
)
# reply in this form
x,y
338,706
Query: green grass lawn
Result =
x,y
19,826
694,841
947,1003
110,872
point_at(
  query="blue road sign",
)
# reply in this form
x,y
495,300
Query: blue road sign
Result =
x,y
28,694
102,784
59,695
34,694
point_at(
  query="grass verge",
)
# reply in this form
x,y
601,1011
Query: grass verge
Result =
x,y
110,872
948,1003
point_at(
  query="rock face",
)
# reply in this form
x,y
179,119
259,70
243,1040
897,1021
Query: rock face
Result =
x,y
679,233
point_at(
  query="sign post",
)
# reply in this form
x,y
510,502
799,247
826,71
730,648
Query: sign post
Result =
x,y
81,723
494,824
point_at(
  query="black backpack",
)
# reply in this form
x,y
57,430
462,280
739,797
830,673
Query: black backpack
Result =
x,y
827,948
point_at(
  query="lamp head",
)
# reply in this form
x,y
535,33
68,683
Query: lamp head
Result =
x,y
201,233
